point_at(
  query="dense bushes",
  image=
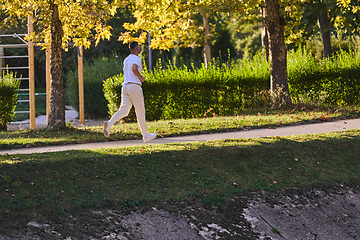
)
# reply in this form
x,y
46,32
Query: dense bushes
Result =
x,y
229,89
94,74
334,81
188,93
8,98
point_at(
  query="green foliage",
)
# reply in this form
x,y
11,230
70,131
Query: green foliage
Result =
x,y
339,42
77,18
112,92
333,81
8,98
94,74
349,17
72,181
246,36
229,89
190,93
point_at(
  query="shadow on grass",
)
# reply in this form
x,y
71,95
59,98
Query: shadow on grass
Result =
x,y
55,183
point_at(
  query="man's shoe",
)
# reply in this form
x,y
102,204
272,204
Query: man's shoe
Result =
x,y
148,137
107,128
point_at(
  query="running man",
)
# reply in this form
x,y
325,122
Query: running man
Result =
x,y
132,94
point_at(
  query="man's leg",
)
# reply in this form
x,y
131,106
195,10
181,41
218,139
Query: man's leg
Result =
x,y
137,98
124,110
125,106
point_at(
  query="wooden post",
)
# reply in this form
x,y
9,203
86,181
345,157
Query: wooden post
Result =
x,y
31,75
48,80
81,84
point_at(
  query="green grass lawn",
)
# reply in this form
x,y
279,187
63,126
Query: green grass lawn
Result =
x,y
57,183
248,120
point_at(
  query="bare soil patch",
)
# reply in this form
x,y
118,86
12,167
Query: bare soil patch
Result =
x,y
318,213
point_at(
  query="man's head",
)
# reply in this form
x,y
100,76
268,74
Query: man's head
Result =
x,y
134,48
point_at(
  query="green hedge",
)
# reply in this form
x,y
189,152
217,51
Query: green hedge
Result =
x,y
229,89
334,81
8,98
190,93
94,74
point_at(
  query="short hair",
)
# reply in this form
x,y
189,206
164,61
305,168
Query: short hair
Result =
x,y
133,45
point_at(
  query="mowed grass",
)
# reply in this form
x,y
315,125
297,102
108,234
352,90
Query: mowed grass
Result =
x,y
263,118
58,183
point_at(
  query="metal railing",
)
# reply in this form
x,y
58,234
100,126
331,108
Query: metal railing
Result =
x,y
20,95
3,57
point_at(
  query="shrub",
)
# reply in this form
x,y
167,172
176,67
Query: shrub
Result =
x,y
8,98
189,93
334,81
112,92
94,74
229,89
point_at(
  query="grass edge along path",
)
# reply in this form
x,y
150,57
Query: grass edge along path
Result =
x,y
56,183
296,115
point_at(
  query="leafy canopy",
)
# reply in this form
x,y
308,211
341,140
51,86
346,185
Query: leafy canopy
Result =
x,y
78,18
172,21
350,17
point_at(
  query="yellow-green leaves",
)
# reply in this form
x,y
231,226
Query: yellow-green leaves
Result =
x,y
177,21
171,21
164,18
349,18
347,6
83,21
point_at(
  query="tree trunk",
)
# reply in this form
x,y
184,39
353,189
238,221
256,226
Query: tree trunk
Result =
x,y
325,33
56,119
275,23
264,38
207,43
265,42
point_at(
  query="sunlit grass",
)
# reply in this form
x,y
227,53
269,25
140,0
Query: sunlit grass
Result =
x,y
263,118
69,181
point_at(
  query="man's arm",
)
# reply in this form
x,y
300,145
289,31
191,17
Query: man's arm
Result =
x,y
135,70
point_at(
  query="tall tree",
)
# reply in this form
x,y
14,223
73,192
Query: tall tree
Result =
x,y
324,26
60,22
208,38
275,14
318,15
264,37
275,24
56,118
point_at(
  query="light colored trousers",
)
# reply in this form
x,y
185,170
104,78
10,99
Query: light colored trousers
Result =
x,y
132,94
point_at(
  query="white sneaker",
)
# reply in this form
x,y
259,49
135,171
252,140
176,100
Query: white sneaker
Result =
x,y
107,128
148,137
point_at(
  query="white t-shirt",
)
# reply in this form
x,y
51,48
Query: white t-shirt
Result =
x,y
129,76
